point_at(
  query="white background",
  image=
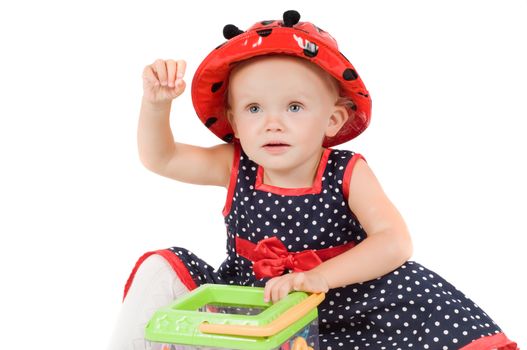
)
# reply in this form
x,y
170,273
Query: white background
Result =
x,y
447,140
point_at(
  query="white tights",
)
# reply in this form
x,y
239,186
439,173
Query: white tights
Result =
x,y
155,285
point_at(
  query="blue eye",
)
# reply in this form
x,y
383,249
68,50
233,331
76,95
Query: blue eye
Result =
x,y
254,109
295,108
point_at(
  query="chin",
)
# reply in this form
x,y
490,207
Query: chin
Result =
x,y
272,161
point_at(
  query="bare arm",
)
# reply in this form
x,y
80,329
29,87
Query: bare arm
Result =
x,y
388,244
163,82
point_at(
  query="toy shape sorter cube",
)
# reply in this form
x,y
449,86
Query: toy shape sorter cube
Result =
x,y
223,317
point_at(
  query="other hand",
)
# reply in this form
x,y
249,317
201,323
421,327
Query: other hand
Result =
x,y
308,281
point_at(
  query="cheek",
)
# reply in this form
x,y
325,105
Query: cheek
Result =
x,y
311,135
318,126
242,127
246,129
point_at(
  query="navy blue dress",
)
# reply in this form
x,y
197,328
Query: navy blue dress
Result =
x,y
411,307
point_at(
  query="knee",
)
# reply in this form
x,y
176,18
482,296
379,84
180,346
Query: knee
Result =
x,y
156,275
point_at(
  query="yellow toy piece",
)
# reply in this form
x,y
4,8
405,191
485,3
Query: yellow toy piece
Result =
x,y
300,344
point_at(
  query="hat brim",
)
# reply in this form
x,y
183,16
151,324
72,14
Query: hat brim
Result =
x,y
211,78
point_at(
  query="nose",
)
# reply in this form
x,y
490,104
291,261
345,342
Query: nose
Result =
x,y
274,122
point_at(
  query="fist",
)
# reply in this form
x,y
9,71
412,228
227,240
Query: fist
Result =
x,y
163,80
309,281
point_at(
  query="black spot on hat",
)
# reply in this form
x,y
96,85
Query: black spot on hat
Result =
x,y
310,49
228,138
265,23
230,31
291,18
363,94
216,86
349,74
264,32
210,121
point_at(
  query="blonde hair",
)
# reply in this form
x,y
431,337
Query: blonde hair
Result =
x,y
343,99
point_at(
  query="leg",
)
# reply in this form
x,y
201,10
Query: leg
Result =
x,y
155,285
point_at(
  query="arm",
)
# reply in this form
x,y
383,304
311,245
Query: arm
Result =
x,y
387,246
163,82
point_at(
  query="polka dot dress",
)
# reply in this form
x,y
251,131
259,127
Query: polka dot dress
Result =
x,y
409,308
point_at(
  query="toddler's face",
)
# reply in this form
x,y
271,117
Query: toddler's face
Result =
x,y
281,108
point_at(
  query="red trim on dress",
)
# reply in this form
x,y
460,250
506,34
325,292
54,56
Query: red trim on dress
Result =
x,y
347,174
179,268
232,182
314,189
492,342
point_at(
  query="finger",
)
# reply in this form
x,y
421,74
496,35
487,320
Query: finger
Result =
x,y
171,72
181,68
276,290
149,76
160,69
268,288
283,288
180,87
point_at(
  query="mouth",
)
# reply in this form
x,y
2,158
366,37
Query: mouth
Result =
x,y
276,144
276,147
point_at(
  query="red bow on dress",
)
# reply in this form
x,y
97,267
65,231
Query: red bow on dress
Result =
x,y
271,259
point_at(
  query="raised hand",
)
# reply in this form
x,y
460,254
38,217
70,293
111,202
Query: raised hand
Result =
x,y
163,80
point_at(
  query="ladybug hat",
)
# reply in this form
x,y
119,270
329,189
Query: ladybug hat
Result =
x,y
288,37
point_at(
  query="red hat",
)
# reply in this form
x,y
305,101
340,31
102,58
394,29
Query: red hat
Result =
x,y
289,37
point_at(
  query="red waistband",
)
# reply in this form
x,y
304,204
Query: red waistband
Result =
x,y
271,258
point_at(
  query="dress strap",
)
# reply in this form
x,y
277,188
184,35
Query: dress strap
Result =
x,y
347,174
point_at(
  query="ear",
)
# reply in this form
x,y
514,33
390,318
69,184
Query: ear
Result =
x,y
337,119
